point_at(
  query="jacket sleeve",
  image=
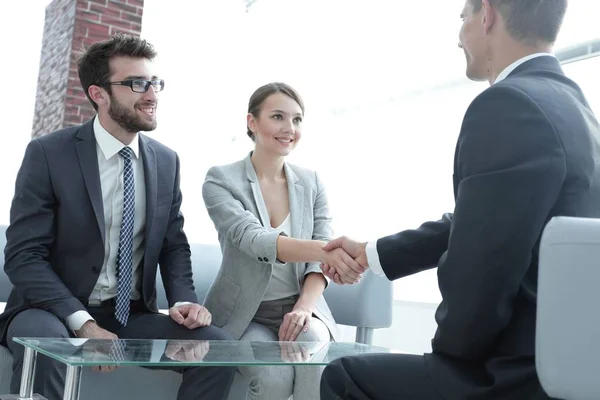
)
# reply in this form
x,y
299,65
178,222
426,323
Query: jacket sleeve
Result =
x,y
234,222
30,237
175,255
414,250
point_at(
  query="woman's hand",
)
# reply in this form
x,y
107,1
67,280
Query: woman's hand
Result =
x,y
296,321
187,350
293,352
347,268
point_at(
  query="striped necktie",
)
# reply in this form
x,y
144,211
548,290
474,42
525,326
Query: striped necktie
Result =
x,y
124,255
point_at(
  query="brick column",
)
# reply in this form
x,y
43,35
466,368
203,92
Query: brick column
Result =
x,y
70,26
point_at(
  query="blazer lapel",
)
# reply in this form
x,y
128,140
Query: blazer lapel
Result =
x,y
88,162
257,194
150,178
296,197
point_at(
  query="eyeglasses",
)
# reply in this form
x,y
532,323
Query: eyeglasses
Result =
x,y
142,85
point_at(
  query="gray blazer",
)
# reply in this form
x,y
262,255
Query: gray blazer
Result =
x,y
236,206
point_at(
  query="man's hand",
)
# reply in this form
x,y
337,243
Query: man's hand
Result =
x,y
92,330
356,250
348,269
191,316
187,350
296,321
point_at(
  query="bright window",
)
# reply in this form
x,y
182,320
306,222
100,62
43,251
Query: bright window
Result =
x,y
384,89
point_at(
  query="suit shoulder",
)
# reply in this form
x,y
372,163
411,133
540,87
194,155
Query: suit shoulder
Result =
x,y
500,89
228,168
545,88
508,120
59,136
523,85
231,171
502,100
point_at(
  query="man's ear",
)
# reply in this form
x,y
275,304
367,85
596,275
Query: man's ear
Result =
x,y
489,15
98,94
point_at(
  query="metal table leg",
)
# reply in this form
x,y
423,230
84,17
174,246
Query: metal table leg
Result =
x,y
28,373
72,383
27,378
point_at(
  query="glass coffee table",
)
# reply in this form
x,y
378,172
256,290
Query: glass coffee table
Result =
x,y
78,353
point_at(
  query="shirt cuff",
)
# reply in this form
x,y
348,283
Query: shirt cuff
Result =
x,y
181,303
76,320
373,258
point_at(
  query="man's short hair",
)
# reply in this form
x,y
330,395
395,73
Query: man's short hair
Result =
x,y
93,65
530,21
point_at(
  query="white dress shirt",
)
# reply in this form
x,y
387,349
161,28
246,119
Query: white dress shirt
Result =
x,y
371,250
111,165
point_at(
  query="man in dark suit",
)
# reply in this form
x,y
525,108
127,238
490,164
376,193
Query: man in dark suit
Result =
x,y
96,209
528,150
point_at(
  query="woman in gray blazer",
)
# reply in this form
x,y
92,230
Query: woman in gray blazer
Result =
x,y
272,220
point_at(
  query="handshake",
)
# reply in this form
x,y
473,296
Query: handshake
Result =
x,y
344,261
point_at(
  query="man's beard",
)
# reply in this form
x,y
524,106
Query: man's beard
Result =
x,y
128,119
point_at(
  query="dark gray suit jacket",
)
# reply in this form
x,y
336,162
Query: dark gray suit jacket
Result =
x,y
528,150
55,242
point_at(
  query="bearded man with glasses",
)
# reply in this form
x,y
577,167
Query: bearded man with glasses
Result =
x,y
96,210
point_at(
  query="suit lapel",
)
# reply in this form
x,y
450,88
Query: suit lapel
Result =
x,y
296,197
88,162
150,178
256,193
295,193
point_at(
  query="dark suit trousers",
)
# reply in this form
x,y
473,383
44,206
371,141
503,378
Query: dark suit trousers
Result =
x,y
197,383
378,377
406,377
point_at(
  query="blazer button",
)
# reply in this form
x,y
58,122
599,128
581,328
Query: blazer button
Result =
x,y
95,269
260,259
266,259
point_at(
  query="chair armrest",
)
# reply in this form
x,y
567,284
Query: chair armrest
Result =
x,y
568,326
367,304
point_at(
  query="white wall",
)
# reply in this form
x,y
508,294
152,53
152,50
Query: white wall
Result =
x,y
20,40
